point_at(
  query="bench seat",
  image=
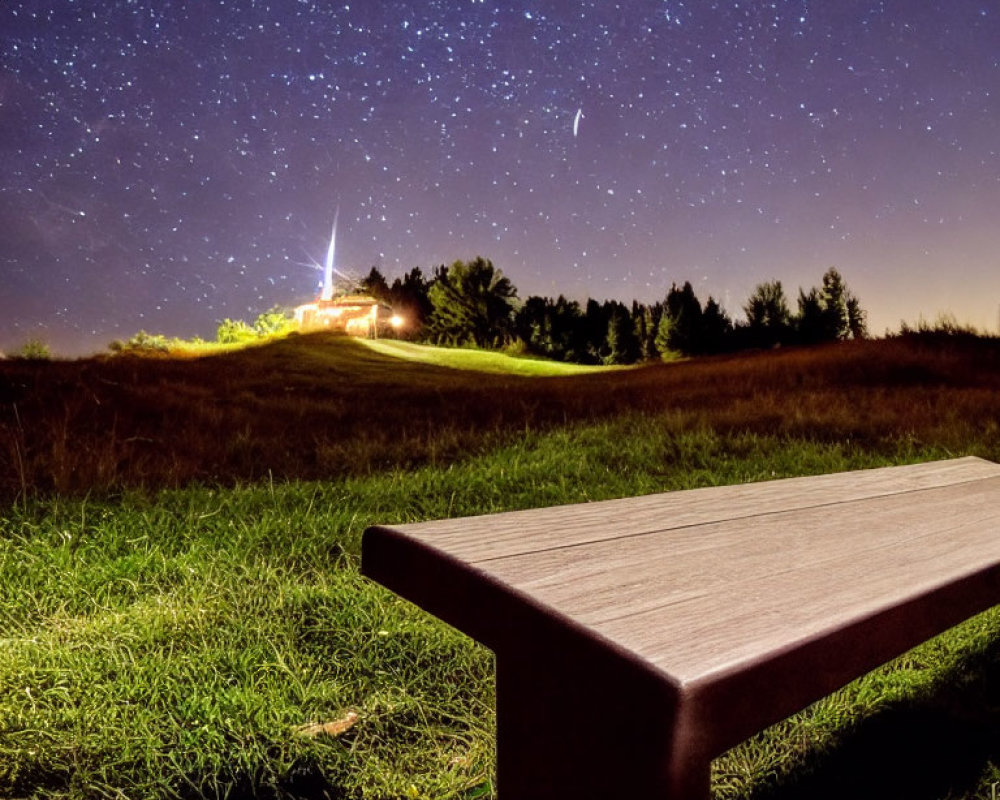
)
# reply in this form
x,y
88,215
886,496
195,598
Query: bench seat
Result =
x,y
637,639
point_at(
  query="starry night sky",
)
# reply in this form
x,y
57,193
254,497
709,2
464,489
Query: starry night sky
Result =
x,y
165,164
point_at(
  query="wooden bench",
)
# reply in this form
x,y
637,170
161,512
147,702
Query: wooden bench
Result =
x,y
637,639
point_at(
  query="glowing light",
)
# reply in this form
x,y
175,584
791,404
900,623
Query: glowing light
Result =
x,y
576,121
328,270
396,321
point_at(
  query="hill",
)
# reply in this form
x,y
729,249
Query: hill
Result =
x,y
322,406
218,642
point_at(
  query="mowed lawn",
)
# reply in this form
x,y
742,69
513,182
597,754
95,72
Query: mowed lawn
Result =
x,y
181,613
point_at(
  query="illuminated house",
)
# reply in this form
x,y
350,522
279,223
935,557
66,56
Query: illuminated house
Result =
x,y
355,314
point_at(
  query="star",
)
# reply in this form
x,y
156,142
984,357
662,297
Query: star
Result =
x,y
166,170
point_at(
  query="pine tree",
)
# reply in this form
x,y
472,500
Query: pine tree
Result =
x,y
684,329
623,343
716,328
768,317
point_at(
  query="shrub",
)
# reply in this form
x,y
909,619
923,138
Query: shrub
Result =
x,y
34,350
273,322
234,331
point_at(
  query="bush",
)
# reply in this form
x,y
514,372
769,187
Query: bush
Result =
x,y
944,325
234,331
273,322
34,350
148,341
143,342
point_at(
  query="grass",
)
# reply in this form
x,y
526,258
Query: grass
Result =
x,y
171,645
489,361
320,407
174,642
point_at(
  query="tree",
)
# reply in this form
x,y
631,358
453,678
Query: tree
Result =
x,y
531,323
375,285
553,328
682,331
595,326
651,318
768,317
664,335
830,313
471,304
857,318
624,346
716,328
811,322
833,297
409,298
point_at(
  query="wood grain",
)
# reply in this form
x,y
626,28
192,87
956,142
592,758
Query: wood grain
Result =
x,y
746,602
477,539
698,581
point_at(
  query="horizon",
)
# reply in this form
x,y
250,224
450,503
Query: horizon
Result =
x,y
77,349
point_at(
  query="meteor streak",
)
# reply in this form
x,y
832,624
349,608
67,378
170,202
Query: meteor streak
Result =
x,y
576,121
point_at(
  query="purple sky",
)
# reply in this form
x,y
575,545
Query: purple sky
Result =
x,y
165,164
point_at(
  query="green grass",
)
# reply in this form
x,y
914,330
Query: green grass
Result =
x,y
171,645
479,360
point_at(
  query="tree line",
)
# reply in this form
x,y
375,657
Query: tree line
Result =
x,y
472,303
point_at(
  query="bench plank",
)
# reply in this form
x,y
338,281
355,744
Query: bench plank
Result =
x,y
482,538
728,577
731,607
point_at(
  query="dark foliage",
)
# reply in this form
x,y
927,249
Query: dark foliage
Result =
x,y
471,304
556,329
623,343
407,296
769,322
474,304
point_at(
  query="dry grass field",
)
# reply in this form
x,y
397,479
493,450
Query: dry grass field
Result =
x,y
322,406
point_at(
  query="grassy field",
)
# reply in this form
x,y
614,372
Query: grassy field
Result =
x,y
176,613
321,406
478,360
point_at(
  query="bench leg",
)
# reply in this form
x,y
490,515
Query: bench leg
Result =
x,y
597,732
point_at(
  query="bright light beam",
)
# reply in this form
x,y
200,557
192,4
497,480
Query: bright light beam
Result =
x,y
328,269
576,121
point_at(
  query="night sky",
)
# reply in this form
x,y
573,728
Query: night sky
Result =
x,y
165,164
